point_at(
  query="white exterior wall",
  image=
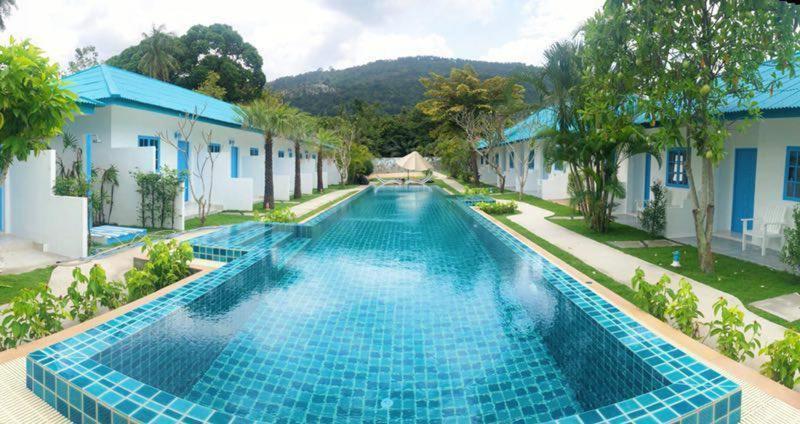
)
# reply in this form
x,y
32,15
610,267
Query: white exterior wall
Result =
x,y
769,136
33,212
542,181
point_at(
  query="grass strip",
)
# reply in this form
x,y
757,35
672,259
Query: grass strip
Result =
x,y
11,284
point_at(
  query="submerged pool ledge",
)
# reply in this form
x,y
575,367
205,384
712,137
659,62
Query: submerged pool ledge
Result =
x,y
66,377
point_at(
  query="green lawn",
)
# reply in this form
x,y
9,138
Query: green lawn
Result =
x,y
621,289
226,218
259,206
616,231
13,283
557,208
440,183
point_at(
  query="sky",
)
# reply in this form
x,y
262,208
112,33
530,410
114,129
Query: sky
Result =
x,y
296,36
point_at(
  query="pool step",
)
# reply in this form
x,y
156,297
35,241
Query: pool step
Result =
x,y
283,253
232,242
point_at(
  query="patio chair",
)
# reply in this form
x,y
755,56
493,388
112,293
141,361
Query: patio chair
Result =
x,y
389,181
766,227
422,181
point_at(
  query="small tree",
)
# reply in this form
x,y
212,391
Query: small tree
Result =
x,y
343,151
204,161
653,216
35,104
790,254
210,87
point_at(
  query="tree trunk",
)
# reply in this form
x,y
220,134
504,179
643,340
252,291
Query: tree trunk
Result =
x,y
298,193
473,163
702,211
269,190
320,185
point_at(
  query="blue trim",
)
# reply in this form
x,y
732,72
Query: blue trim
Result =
x,y
291,154
214,148
281,154
795,182
744,186
511,160
234,162
254,151
151,141
647,164
672,156
86,109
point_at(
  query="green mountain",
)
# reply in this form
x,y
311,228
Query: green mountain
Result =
x,y
393,84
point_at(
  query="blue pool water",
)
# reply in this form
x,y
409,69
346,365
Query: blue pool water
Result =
x,y
404,306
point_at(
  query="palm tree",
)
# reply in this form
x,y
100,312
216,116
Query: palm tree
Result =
x,y
303,131
325,139
157,60
5,10
270,115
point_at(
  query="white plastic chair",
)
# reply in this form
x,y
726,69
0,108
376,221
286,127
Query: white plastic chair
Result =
x,y
424,180
765,227
389,181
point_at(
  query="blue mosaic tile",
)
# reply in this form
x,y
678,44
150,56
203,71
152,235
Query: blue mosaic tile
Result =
x,y
396,305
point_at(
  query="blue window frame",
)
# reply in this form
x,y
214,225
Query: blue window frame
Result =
x,y
150,141
791,176
314,156
531,159
281,154
254,151
497,158
307,155
511,160
214,148
291,154
676,167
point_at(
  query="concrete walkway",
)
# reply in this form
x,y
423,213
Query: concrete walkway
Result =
x,y
313,204
621,266
455,185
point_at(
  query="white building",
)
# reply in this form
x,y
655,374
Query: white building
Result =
x,y
123,115
542,180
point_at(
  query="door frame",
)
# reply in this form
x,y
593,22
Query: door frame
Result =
x,y
184,148
734,197
647,163
234,162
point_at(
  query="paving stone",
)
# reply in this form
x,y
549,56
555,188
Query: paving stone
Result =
x,y
786,306
626,244
660,243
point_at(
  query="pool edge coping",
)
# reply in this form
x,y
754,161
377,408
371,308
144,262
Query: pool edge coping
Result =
x,y
701,352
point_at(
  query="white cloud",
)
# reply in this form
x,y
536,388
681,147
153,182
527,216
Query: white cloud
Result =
x,y
369,46
544,23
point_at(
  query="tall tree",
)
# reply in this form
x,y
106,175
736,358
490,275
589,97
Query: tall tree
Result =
x,y
326,141
5,10
695,56
210,87
157,59
302,132
35,103
85,57
272,117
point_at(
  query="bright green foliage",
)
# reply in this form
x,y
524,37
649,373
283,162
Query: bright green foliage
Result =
x,y
653,298
157,194
691,58
654,215
34,313
167,263
683,309
478,191
783,365
275,215
187,60
85,293
790,254
210,86
34,104
498,208
730,331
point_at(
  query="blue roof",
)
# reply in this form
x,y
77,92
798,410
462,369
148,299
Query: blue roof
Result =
x,y
104,83
785,97
527,128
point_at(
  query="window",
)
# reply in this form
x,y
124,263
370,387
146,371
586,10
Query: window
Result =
x,y
791,178
214,148
511,159
149,141
290,153
531,159
314,156
281,154
676,167
254,151
496,158
307,156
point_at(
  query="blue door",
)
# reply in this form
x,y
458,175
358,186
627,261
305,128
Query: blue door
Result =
x,y
744,187
646,177
183,166
234,162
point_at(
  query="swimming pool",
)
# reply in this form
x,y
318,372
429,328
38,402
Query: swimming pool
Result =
x,y
399,305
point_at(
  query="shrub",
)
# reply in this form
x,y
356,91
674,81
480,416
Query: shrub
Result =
x,y
499,208
790,254
97,290
34,313
477,191
654,215
275,215
167,262
683,309
653,298
731,332
783,365
157,193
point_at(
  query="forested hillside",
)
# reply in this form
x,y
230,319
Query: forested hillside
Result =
x,y
392,84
